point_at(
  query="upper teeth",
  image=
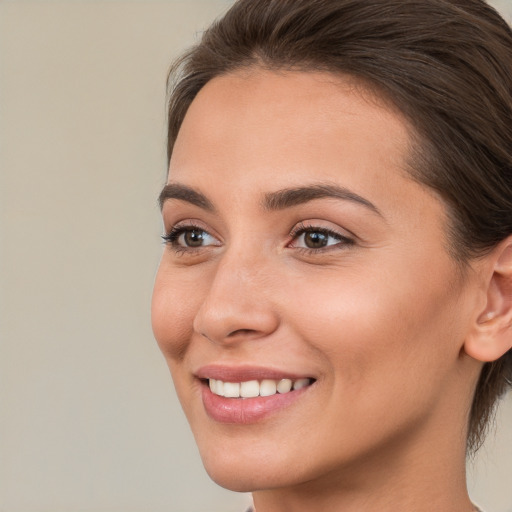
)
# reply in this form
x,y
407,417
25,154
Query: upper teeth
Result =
x,y
254,388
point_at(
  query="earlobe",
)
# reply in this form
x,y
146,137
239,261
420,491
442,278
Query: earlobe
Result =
x,y
491,334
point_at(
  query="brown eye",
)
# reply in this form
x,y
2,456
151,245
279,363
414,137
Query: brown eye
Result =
x,y
190,237
315,239
193,238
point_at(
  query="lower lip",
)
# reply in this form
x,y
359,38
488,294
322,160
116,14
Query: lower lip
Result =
x,y
247,410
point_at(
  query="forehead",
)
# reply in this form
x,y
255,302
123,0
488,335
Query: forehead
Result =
x,y
263,129
257,109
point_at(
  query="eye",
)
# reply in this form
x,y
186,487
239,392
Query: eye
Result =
x,y
316,238
189,237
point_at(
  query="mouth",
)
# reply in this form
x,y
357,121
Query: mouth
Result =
x,y
256,388
247,395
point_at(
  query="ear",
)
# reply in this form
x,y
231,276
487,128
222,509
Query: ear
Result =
x,y
491,335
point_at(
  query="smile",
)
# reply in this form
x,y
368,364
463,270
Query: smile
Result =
x,y
255,388
248,394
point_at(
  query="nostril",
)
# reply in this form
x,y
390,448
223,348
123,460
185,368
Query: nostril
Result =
x,y
234,336
241,332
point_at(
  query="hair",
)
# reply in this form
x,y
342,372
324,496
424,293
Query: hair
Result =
x,y
446,65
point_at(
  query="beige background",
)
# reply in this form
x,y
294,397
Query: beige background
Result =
x,y
88,418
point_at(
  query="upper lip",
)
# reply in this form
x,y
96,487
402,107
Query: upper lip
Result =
x,y
244,373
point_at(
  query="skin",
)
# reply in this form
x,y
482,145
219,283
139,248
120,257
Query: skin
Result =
x,y
380,321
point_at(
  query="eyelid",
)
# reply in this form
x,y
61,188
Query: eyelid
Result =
x,y
176,230
345,238
190,223
319,225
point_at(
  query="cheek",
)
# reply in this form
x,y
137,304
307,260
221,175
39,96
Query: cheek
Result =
x,y
172,314
385,349
376,330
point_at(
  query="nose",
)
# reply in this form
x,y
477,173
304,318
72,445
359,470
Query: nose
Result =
x,y
238,305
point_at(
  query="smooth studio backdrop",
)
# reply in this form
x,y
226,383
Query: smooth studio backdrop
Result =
x,y
88,417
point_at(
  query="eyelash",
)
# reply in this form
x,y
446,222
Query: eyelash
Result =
x,y
173,236
302,229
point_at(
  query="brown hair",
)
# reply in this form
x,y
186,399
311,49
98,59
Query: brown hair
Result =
x,y
445,64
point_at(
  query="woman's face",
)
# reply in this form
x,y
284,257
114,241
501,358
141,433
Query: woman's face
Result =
x,y
299,248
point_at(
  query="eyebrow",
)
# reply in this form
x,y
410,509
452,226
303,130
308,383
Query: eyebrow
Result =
x,y
184,193
289,197
279,200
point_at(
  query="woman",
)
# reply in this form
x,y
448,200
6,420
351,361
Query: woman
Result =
x,y
334,299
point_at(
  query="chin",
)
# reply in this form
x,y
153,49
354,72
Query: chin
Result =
x,y
234,469
235,481
246,477
242,470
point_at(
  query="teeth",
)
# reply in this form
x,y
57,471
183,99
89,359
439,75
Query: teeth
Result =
x,y
268,387
253,388
250,389
231,389
300,383
218,387
285,385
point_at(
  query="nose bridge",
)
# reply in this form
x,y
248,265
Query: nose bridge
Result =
x,y
238,303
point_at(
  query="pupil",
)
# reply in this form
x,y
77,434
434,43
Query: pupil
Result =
x,y
315,240
194,238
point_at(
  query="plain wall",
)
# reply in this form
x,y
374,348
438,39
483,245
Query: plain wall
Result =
x,y
88,417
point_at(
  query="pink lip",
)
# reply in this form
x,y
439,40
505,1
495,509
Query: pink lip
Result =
x,y
244,373
245,410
